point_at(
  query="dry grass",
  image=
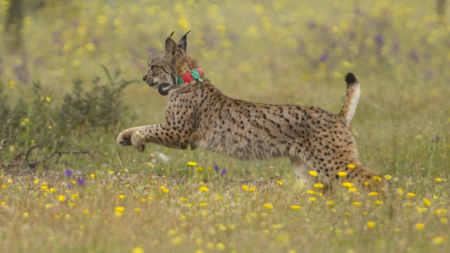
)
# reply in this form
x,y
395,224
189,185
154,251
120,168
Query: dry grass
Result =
x,y
284,52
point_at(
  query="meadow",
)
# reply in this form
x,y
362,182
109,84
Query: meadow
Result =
x,y
115,199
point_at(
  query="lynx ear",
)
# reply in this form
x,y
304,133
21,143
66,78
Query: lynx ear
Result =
x,y
170,47
183,42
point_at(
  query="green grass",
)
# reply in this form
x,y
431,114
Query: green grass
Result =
x,y
286,52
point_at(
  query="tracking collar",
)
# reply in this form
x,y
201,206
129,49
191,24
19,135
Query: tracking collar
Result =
x,y
195,74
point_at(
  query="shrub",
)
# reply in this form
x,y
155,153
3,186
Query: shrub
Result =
x,y
42,120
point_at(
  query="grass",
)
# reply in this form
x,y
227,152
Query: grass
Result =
x,y
285,52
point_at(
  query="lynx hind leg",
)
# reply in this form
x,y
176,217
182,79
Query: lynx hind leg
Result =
x,y
365,177
301,172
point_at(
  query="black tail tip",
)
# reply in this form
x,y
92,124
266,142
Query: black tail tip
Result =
x,y
350,78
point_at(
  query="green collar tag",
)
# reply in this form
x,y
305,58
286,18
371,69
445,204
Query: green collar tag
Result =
x,y
196,75
180,81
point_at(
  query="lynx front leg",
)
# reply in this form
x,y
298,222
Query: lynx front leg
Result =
x,y
159,134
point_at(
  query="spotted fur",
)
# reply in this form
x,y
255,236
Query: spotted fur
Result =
x,y
199,115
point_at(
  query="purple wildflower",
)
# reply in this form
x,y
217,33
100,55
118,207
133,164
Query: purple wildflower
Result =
x,y
437,138
80,181
223,172
20,73
68,173
324,57
216,167
380,39
414,56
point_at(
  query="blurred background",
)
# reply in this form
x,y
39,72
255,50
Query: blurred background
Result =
x,y
281,52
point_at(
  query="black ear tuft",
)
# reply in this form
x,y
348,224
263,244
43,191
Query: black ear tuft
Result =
x,y
350,78
183,42
171,34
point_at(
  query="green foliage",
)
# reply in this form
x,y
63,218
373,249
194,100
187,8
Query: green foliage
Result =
x,y
100,108
42,120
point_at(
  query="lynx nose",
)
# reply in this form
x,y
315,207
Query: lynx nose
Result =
x,y
145,77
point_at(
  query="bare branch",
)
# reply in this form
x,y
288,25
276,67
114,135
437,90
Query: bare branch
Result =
x,y
46,158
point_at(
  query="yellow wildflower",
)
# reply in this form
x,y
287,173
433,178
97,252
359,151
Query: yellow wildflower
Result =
x,y
121,196
388,177
252,189
220,246
420,226
330,202
199,169
280,183
351,166
438,179
294,207
318,185
356,203
312,199
164,189
373,193
268,206
192,163
202,204
183,199
370,224
342,174
379,202
138,250
376,178
137,210
437,240
219,197
426,202
245,187
347,184
92,175
204,188
313,173
61,198
410,194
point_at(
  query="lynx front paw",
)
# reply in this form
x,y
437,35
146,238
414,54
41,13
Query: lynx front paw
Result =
x,y
124,138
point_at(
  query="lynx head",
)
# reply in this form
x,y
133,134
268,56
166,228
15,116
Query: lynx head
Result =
x,y
165,68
